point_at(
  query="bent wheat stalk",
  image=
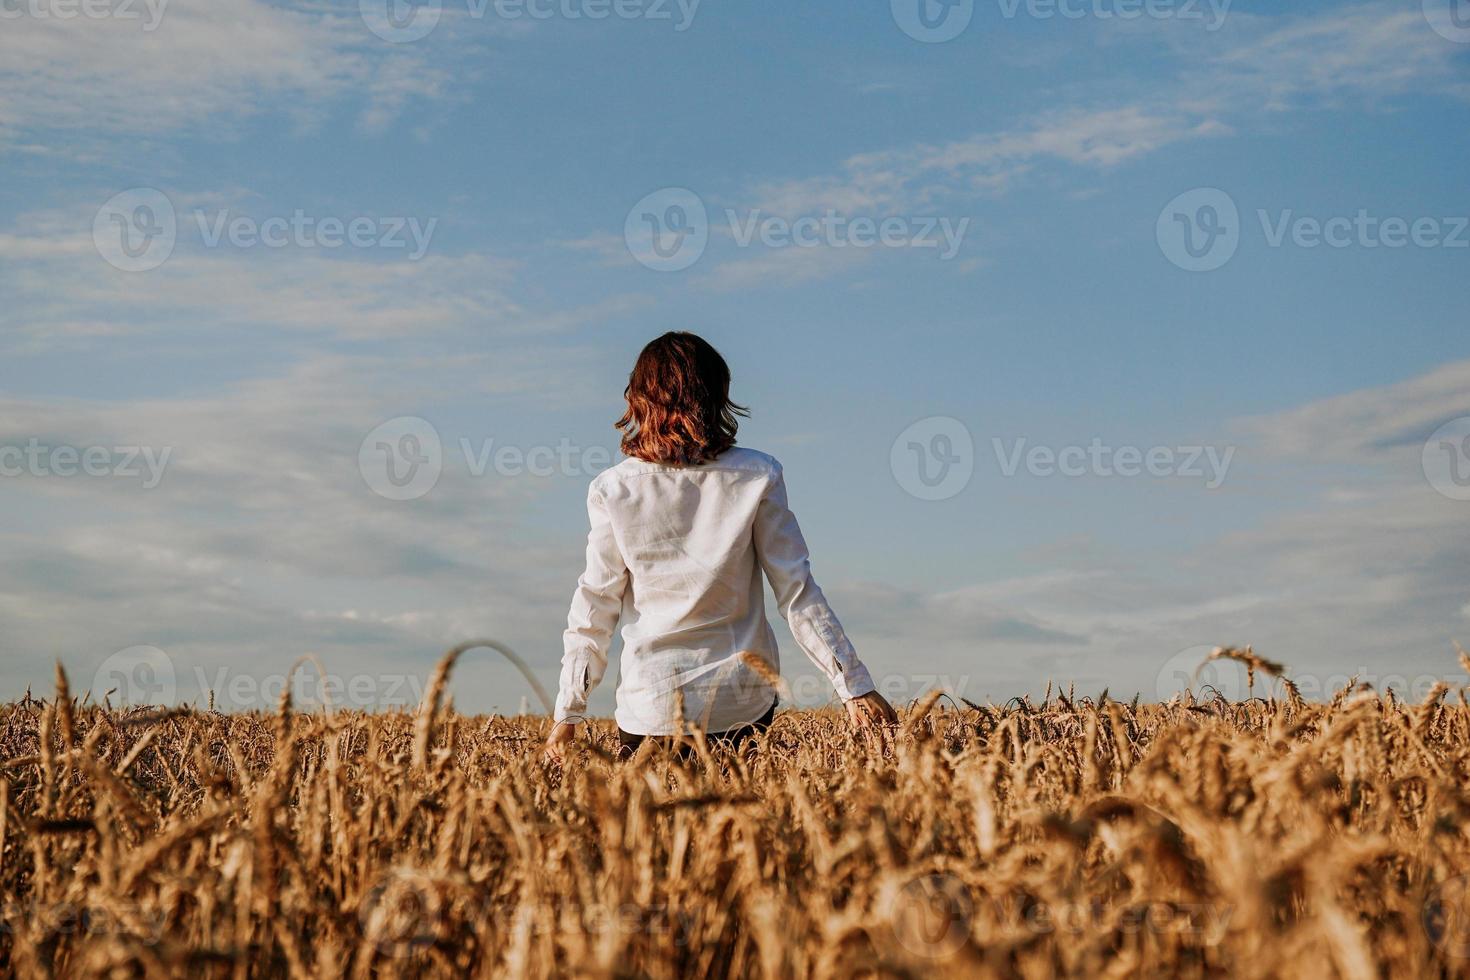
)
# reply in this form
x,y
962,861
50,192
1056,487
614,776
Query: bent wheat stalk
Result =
x,y
434,693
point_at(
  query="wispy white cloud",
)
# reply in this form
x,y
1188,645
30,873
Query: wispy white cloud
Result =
x,y
61,292
763,267
1364,575
262,541
1221,81
1366,54
60,303
1374,424
943,179
207,65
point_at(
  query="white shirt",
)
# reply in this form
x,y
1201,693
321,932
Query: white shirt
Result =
x,y
678,551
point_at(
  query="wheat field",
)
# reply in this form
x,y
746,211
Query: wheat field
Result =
x,y
1071,836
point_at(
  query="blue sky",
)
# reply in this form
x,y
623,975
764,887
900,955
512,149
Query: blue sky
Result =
x,y
1066,148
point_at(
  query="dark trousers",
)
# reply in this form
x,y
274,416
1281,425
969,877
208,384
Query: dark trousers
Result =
x,y
628,742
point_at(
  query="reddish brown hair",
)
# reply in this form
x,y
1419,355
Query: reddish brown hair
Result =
x,y
679,407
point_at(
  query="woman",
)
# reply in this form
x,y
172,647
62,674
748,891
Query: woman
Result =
x,y
681,531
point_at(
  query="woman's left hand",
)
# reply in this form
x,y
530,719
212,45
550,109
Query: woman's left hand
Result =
x,y
554,751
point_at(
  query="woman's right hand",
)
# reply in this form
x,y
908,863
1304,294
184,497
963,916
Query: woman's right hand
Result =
x,y
871,711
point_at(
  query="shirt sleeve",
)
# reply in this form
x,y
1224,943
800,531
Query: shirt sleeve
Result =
x,y
596,604
783,556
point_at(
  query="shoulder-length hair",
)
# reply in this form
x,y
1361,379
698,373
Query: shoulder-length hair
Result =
x,y
679,407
